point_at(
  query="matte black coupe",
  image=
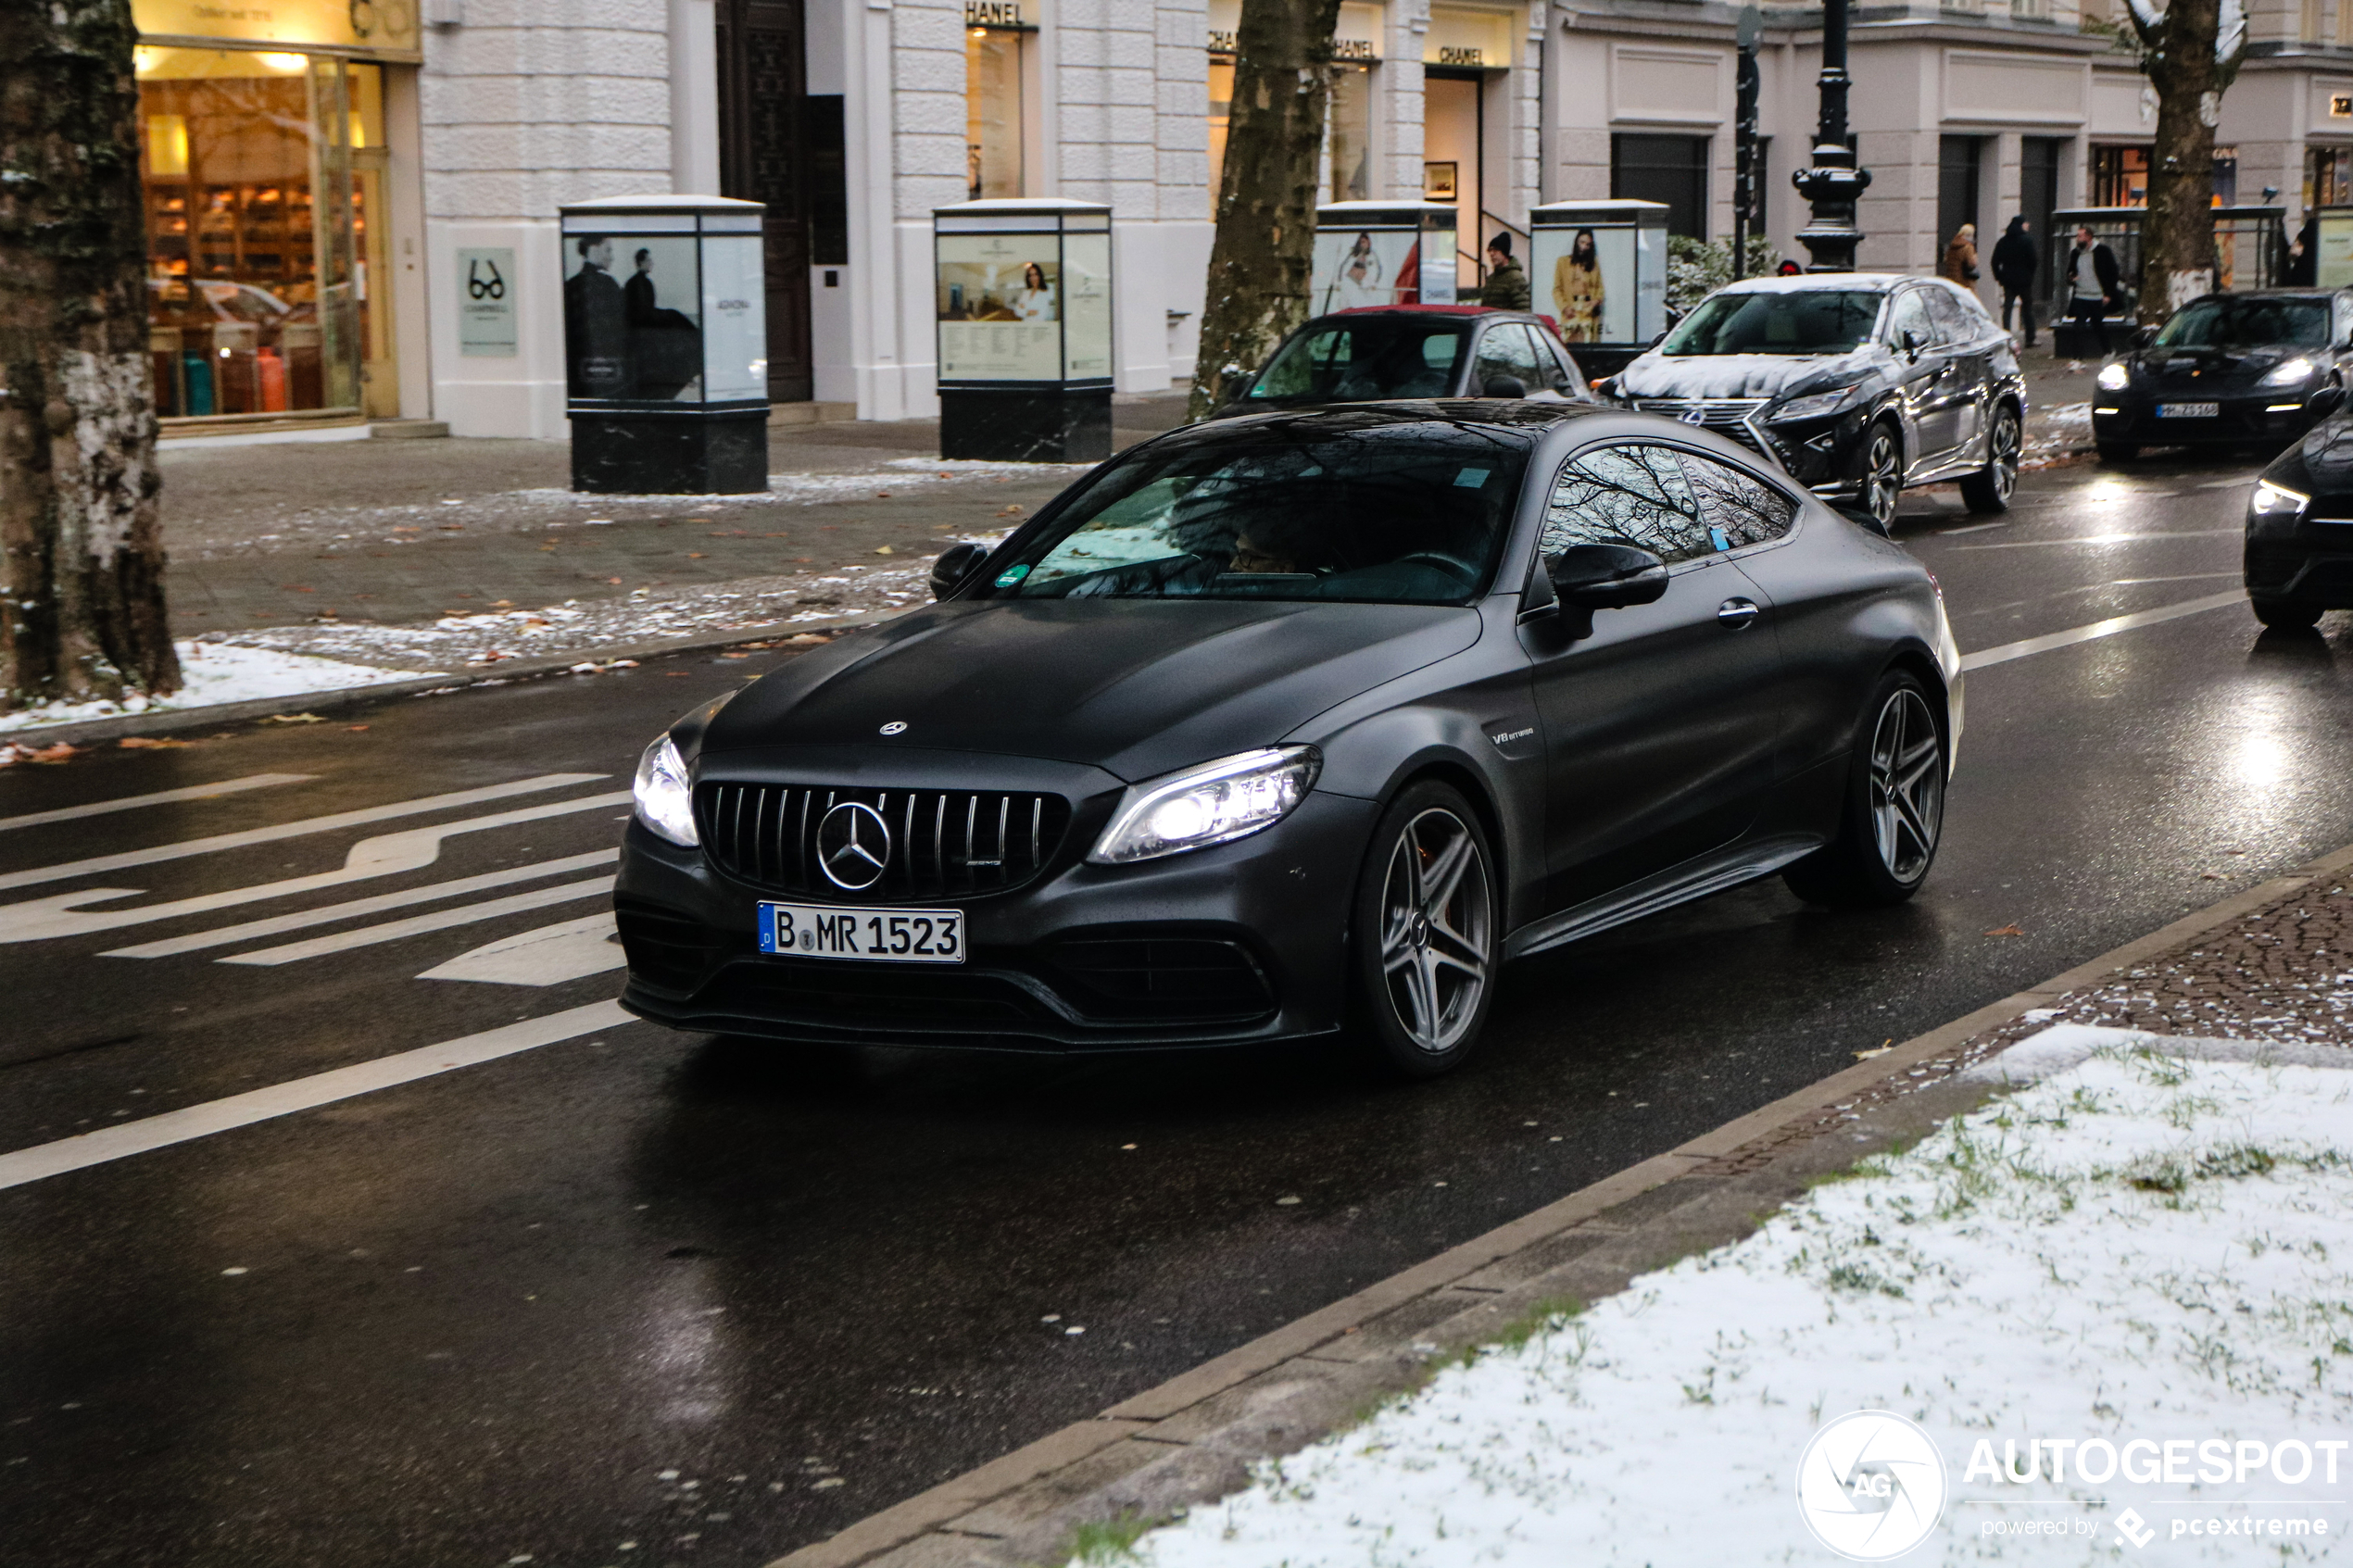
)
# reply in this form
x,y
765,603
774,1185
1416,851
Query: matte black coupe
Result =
x,y
1273,725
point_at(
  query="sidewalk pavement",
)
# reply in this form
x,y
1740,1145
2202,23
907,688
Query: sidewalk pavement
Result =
x,y
2149,1242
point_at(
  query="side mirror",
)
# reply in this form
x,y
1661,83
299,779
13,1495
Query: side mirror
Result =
x,y
2144,337
2324,402
1912,343
1503,386
1606,576
955,564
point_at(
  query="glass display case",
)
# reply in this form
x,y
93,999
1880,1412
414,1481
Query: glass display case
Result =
x,y
1598,268
1372,252
1025,329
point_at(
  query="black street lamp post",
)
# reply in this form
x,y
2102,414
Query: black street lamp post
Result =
x,y
1833,184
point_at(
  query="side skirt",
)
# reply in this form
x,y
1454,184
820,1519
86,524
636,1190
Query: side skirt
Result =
x,y
1679,884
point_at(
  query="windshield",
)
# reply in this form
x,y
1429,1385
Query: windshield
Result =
x,y
2249,323
1365,360
1393,513
1801,321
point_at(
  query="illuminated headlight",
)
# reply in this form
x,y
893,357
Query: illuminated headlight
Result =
x,y
2115,378
1813,405
665,795
2278,501
2290,372
1213,804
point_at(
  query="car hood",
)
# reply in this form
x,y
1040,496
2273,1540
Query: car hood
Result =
x,y
1136,686
2320,464
1744,375
2223,367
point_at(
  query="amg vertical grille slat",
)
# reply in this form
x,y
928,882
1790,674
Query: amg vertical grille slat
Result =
x,y
944,843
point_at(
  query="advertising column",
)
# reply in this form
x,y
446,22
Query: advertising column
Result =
x,y
1024,313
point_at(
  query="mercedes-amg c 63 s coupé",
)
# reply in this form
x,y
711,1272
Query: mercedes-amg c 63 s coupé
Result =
x,y
1280,725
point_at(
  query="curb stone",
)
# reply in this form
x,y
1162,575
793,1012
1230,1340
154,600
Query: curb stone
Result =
x,y
164,720
1194,1438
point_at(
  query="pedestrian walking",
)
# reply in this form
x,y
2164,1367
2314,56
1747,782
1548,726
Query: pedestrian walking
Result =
x,y
1506,287
1960,256
2092,284
2014,270
2304,254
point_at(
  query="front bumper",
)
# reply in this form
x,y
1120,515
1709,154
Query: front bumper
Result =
x,y
1239,943
2313,564
2243,417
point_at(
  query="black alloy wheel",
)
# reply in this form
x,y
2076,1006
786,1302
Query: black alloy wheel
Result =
x,y
1894,812
1428,932
2286,615
1991,487
1879,475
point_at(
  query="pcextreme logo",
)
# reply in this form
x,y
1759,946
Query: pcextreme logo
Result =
x,y
1870,1486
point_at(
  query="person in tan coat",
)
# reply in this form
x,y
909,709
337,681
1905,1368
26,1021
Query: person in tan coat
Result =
x,y
1960,257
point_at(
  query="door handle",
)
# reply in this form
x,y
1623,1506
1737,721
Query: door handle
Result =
x,y
1733,614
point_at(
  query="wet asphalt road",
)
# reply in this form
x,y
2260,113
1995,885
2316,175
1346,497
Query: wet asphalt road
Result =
x,y
638,1298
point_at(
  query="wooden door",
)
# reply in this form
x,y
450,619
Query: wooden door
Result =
x,y
763,82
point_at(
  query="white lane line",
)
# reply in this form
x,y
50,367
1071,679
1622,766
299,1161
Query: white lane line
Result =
x,y
33,919
326,914
2108,627
417,925
549,956
161,797
150,1133
1972,528
291,830
2104,539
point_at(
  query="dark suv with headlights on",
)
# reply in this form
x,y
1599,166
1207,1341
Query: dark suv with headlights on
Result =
x,y
1861,384
1272,723
1388,351
2300,523
2229,370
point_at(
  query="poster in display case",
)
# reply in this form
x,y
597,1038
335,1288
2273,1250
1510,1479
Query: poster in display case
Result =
x,y
1598,268
1023,310
1371,254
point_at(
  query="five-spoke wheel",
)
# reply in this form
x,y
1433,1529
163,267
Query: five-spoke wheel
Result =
x,y
1894,813
1882,479
1990,488
1427,924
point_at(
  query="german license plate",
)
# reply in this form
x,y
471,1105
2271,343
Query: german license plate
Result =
x,y
830,931
2189,410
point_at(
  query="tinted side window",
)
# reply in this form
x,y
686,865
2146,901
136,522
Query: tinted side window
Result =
x,y
1505,351
1743,510
1909,314
1631,494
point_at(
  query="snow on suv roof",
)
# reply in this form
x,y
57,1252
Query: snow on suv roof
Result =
x,y
1807,280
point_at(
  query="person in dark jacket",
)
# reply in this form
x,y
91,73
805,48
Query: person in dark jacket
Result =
x,y
2304,256
2093,284
1506,287
2014,270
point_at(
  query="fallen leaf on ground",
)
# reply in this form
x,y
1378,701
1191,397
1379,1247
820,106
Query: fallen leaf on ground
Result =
x,y
677,674
612,579
295,719
734,656
886,550
150,743
695,555
1866,1055
807,637
61,752
355,729
2005,931
502,604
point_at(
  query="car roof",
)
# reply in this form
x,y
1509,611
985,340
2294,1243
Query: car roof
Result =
x,y
1431,309
1808,283
1490,413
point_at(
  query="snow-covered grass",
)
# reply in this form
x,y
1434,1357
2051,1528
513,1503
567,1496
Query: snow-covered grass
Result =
x,y
215,673
2138,1246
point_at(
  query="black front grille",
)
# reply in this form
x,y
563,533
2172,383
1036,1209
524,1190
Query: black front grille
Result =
x,y
944,843
1161,977
669,950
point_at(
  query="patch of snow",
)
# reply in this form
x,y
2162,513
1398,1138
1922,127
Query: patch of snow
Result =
x,y
2068,416
2136,1247
217,674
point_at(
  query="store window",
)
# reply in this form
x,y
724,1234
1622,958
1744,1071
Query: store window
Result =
x,y
2328,177
263,174
1348,120
1348,134
2120,176
994,40
1221,109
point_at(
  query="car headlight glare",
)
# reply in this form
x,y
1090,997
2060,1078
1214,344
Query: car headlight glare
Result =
x,y
1213,804
1813,405
665,795
2290,372
2115,378
2276,500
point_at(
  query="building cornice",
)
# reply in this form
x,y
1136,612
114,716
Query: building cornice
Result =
x,y
1711,22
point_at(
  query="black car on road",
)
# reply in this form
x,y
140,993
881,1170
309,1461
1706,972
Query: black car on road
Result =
x,y
1860,384
1383,352
2300,523
2227,369
1271,724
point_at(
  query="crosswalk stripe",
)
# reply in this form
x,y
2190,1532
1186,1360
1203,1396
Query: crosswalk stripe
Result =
x,y
327,915
33,919
161,797
549,956
417,925
128,1138
297,829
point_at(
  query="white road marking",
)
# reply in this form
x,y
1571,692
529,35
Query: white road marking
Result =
x,y
2102,539
1972,528
326,914
2227,483
297,829
2108,628
417,925
161,797
150,1133
549,956
412,849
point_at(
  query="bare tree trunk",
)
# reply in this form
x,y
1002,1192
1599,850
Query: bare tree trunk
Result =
x,y
1259,265
2190,51
80,553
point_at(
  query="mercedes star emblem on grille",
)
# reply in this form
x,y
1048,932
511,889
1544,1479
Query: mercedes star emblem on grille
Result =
x,y
896,727
854,845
